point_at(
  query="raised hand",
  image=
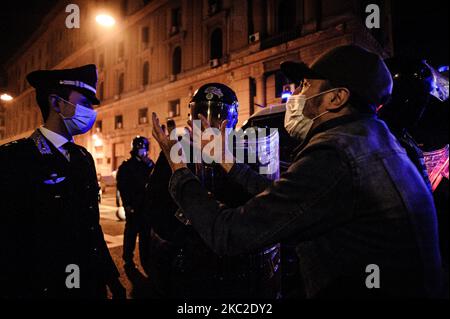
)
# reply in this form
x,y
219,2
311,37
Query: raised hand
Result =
x,y
164,142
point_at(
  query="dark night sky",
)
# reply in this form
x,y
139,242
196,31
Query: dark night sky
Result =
x,y
18,20
420,30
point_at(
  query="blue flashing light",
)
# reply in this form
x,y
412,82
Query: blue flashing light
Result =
x,y
286,95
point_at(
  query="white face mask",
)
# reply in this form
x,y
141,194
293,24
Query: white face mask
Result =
x,y
295,122
81,121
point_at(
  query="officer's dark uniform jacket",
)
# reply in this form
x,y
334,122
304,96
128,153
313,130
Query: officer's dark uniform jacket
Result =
x,y
132,178
351,198
50,219
190,268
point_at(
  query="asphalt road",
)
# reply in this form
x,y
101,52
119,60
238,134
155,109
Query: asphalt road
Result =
x,y
137,284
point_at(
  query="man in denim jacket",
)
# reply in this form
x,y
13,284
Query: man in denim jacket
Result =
x,y
360,214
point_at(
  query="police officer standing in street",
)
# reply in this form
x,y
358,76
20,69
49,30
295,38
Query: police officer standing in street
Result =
x,y
52,242
132,178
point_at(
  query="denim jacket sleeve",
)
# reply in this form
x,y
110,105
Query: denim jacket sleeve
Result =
x,y
301,203
250,180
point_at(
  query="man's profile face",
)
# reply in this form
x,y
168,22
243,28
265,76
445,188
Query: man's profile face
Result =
x,y
310,87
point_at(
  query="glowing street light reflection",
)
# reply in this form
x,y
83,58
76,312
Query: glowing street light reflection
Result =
x,y
6,97
105,20
97,140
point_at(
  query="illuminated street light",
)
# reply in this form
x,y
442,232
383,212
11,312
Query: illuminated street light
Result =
x,y
6,97
97,140
105,20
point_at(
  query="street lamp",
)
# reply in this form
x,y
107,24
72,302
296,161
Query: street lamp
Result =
x,y
97,140
105,20
6,97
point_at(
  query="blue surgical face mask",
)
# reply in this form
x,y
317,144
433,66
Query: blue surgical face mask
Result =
x,y
82,120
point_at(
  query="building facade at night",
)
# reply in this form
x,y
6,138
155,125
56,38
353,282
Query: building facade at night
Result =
x,y
160,51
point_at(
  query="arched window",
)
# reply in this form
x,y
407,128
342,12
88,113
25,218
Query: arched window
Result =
x,y
286,15
216,44
176,61
145,73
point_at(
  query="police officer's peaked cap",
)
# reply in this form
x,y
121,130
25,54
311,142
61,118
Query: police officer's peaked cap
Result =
x,y
82,79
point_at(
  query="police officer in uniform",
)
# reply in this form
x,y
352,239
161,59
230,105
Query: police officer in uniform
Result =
x,y
192,269
52,242
132,178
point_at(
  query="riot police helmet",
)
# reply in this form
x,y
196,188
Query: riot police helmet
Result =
x,y
216,102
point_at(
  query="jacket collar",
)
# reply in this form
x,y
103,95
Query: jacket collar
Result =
x,y
325,126
48,144
41,143
51,159
54,138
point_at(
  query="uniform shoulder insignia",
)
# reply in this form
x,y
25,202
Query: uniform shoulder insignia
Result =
x,y
15,148
40,143
13,144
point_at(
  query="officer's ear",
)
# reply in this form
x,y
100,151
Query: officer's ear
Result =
x,y
53,102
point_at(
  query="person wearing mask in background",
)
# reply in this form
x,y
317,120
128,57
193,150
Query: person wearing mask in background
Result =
x,y
132,179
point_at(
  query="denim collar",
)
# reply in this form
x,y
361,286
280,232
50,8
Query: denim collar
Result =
x,y
325,126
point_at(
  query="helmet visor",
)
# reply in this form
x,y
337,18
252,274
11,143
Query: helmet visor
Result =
x,y
214,112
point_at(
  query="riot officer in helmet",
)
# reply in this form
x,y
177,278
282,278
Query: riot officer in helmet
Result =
x,y
217,102
195,270
132,178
